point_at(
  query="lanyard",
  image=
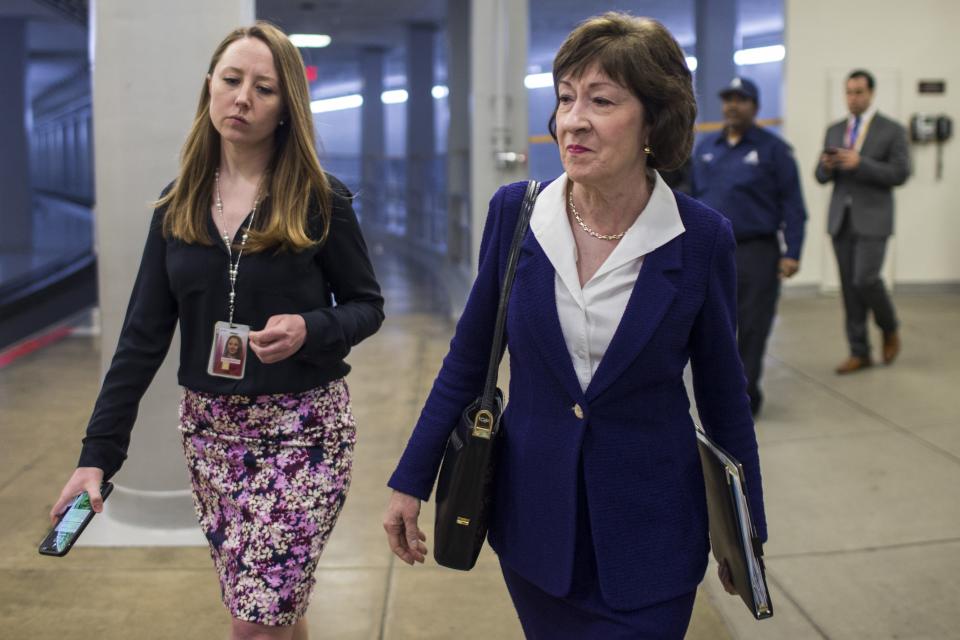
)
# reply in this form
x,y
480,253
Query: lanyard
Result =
x,y
233,265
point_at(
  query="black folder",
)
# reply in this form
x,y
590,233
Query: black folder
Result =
x,y
732,535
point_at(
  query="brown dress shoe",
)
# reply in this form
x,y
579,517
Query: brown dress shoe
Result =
x,y
891,346
853,363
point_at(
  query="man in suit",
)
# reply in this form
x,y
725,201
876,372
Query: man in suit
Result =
x,y
865,156
749,175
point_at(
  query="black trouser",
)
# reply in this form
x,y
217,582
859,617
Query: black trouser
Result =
x,y
860,259
758,288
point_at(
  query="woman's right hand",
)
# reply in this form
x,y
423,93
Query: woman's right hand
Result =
x,y
726,578
86,479
403,535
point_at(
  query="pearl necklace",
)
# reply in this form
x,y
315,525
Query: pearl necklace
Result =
x,y
583,225
223,219
233,265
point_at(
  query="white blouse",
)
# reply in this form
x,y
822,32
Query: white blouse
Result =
x,y
590,315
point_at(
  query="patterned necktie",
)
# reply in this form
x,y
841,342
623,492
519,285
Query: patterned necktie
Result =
x,y
854,131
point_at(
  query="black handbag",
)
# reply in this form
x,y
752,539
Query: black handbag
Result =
x,y
465,485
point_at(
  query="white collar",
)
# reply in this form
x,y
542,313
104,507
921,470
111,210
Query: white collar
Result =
x,y
865,117
657,224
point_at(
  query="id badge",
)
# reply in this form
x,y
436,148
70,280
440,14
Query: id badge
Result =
x,y
228,353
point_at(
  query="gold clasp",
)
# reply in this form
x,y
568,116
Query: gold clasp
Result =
x,y
483,425
465,522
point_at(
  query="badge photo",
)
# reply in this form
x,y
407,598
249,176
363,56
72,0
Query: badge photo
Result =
x,y
228,353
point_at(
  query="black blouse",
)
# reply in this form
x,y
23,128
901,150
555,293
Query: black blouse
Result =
x,y
331,285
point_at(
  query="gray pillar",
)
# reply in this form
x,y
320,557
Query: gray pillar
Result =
x,y
498,31
458,133
16,209
372,139
717,38
421,140
144,96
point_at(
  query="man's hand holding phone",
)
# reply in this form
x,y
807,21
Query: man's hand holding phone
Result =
x,y
83,479
829,158
835,158
847,159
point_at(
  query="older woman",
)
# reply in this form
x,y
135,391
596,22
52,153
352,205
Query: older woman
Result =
x,y
600,518
248,247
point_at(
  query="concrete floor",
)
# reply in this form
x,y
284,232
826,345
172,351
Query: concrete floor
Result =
x,y
861,476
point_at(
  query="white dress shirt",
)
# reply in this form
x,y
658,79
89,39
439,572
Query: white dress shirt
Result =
x,y
590,315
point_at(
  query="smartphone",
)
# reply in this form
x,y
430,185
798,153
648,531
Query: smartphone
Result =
x,y
71,524
830,151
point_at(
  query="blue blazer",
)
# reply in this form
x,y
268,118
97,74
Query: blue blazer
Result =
x,y
635,440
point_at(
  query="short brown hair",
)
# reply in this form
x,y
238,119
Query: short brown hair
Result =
x,y
866,75
641,55
295,180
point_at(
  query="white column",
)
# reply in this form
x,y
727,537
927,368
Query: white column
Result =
x,y
498,33
458,133
149,62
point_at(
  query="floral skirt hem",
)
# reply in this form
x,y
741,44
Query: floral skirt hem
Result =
x,y
270,474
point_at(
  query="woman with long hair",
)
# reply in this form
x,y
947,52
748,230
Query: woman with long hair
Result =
x,y
252,239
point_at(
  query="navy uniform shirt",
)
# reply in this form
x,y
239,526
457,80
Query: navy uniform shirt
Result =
x,y
753,183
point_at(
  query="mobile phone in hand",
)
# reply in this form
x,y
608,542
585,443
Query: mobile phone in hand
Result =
x,y
830,151
71,524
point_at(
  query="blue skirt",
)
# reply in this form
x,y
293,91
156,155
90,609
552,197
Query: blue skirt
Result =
x,y
583,614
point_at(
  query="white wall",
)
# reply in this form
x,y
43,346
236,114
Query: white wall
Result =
x,y
498,102
901,43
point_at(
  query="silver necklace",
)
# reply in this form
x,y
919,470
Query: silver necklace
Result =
x,y
583,225
233,265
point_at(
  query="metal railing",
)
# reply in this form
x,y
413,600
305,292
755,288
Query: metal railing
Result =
x,y
402,197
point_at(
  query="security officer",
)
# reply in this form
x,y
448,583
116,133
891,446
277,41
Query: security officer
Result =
x,y
750,176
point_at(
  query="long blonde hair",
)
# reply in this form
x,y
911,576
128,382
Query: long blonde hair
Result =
x,y
294,178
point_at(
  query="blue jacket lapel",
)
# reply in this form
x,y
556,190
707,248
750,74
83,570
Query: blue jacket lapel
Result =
x,y
535,278
652,296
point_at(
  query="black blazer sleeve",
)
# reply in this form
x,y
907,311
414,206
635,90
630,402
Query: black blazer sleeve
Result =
x,y
345,263
144,340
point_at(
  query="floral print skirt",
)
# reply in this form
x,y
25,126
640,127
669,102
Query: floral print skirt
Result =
x,y
270,474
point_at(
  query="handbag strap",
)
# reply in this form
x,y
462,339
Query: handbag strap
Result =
x,y
496,351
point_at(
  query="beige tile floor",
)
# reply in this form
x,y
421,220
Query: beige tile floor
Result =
x,y
861,480
861,477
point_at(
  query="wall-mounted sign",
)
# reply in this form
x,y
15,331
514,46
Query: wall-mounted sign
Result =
x,y
932,86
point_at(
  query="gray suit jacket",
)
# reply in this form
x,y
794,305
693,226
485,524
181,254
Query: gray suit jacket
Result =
x,y
868,189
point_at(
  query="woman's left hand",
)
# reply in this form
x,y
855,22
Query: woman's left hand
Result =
x,y
282,337
726,578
